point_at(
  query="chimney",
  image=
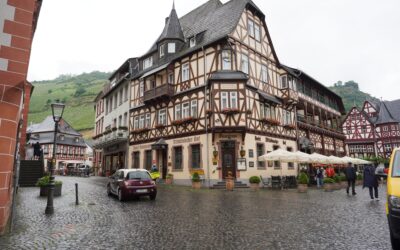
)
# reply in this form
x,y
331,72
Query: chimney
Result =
x,y
166,20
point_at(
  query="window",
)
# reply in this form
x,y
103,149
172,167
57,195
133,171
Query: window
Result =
x,y
148,120
106,106
290,164
224,100
284,82
185,110
121,94
162,117
265,109
171,78
178,113
162,50
287,118
385,128
136,123
193,107
171,47
250,27
388,148
141,89
257,34
195,156
185,72
136,160
277,164
111,104
363,129
178,157
192,42
226,60
234,100
141,121
120,120
148,159
245,64
148,62
260,152
264,73
115,100
126,93
125,119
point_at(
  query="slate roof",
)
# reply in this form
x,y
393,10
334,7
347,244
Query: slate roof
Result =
x,y
48,138
389,112
228,75
48,126
172,29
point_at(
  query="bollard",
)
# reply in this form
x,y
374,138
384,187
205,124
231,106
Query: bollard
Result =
x,y
76,194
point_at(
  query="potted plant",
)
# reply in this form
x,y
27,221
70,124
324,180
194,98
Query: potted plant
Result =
x,y
255,183
44,182
303,180
343,180
328,184
169,179
229,182
196,181
359,179
336,185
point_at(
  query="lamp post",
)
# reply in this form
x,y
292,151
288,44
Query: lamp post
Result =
x,y
57,110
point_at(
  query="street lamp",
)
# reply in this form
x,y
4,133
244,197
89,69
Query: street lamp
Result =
x,y
57,110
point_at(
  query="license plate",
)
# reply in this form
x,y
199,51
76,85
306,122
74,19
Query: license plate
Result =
x,y
141,191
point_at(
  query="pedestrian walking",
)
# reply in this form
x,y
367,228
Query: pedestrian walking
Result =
x,y
320,177
371,181
351,178
36,151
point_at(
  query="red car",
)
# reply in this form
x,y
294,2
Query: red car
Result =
x,y
131,183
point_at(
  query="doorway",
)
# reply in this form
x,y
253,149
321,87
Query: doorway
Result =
x,y
228,157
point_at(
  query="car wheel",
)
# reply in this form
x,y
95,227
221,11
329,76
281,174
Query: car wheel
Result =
x,y
108,190
395,242
153,197
120,197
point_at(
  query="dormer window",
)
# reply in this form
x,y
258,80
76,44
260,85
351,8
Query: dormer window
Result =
x,y
192,42
171,48
76,139
226,60
148,62
162,50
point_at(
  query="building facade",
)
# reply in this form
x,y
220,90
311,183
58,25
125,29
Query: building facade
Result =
x,y
111,122
18,21
71,148
213,97
373,130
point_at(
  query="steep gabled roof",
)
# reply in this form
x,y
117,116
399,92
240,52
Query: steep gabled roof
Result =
x,y
48,126
172,29
384,115
394,109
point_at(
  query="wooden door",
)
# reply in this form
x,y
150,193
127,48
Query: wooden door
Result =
x,y
228,157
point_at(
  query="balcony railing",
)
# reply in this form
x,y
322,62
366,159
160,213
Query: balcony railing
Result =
x,y
113,137
321,124
160,92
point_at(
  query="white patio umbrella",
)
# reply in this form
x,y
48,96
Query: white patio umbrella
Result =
x,y
302,157
318,158
350,159
337,160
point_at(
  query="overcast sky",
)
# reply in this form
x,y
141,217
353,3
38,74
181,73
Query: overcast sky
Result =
x,y
331,39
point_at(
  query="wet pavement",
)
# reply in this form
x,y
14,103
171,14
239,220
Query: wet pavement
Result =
x,y
182,218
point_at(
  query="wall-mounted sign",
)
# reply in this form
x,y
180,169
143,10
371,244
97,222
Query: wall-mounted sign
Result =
x,y
241,164
271,140
257,138
251,153
251,164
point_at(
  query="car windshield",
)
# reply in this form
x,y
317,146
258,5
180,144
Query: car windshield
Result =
x,y
396,165
138,175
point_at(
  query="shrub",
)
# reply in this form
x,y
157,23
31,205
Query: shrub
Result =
x,y
303,178
342,177
329,180
336,178
170,176
45,180
196,177
359,177
254,179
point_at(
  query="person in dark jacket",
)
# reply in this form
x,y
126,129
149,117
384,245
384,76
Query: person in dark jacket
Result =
x,y
351,178
371,181
36,151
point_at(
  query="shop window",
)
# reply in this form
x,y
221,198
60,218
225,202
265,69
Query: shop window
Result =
x,y
290,164
136,160
195,156
178,157
277,164
148,159
260,152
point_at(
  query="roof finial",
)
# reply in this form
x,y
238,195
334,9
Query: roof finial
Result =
x,y
173,4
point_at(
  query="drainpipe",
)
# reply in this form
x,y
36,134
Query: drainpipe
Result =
x,y
205,118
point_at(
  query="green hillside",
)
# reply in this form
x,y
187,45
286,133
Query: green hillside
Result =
x,y
77,92
351,94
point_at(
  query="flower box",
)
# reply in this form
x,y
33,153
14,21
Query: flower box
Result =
x,y
290,126
159,126
270,121
114,129
183,121
107,132
44,190
209,111
230,111
249,111
123,128
138,131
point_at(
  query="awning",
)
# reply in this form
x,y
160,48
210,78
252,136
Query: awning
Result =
x,y
160,144
154,70
269,98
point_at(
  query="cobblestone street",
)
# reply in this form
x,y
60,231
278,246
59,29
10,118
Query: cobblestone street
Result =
x,y
182,218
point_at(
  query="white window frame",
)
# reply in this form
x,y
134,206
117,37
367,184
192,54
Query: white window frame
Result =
x,y
284,80
136,122
226,57
141,89
264,73
162,117
185,110
178,112
125,118
171,78
250,27
192,42
185,72
224,100
162,50
233,100
147,62
141,121
245,64
171,48
126,93
148,121
193,108
257,34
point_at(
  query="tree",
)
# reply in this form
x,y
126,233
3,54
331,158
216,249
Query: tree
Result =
x,y
80,91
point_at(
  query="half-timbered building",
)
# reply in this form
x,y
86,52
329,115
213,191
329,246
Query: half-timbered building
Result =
x,y
211,96
373,130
